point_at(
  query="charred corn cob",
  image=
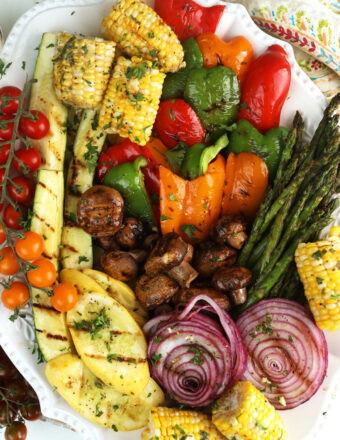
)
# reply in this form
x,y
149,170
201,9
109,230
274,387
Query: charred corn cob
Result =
x,y
131,100
318,265
172,423
82,69
243,412
139,31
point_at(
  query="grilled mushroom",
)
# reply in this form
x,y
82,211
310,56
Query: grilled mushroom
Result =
x,y
119,265
230,229
210,256
108,243
131,234
233,280
199,288
154,291
100,211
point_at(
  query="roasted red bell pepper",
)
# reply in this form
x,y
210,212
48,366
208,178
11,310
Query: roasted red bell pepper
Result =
x,y
128,151
265,89
187,18
177,122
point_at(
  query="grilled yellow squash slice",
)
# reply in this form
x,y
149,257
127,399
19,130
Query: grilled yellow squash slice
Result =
x,y
121,292
106,337
98,402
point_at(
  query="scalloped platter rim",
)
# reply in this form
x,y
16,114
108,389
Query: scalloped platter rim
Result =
x,y
84,16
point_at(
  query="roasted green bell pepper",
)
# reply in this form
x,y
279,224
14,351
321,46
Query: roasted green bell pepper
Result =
x,y
198,158
214,94
174,83
127,178
245,137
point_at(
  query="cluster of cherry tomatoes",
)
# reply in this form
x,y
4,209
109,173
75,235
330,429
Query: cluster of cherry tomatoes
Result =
x,y
17,400
21,189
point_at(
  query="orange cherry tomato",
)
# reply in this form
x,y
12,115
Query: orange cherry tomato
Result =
x,y
31,247
2,234
45,274
8,262
16,296
65,297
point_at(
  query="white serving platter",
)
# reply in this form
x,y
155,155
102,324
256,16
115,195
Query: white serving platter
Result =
x,y
84,16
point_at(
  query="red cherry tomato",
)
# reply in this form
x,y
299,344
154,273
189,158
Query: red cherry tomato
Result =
x,y
31,159
35,126
2,174
31,411
16,431
7,369
4,153
44,276
6,128
8,262
21,189
16,296
65,297
177,122
31,247
12,105
2,234
13,218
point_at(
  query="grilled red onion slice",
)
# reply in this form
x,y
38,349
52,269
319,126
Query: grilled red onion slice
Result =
x,y
192,356
287,352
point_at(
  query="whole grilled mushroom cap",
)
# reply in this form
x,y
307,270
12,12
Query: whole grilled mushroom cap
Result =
x,y
199,288
210,256
233,280
131,234
168,252
154,291
230,229
119,265
100,211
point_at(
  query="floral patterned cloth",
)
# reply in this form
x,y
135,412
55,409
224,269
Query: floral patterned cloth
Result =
x,y
313,27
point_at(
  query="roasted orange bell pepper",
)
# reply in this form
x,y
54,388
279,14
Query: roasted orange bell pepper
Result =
x,y
246,184
190,208
237,54
156,148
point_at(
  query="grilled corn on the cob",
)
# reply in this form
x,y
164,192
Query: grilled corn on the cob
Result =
x,y
244,413
318,265
172,423
139,31
82,69
131,100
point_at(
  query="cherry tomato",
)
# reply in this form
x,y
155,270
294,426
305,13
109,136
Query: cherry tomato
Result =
x,y
12,105
7,368
4,153
16,431
65,297
16,296
35,126
8,262
16,390
21,189
31,411
2,234
13,217
2,174
31,159
6,128
44,276
31,247
7,415
176,121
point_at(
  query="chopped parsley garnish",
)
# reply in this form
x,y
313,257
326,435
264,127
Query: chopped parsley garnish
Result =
x,y
95,326
172,197
155,358
157,339
82,258
171,114
137,72
260,426
189,230
165,217
91,156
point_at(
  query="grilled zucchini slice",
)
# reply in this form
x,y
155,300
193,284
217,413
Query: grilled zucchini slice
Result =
x,y
76,249
106,337
98,402
47,220
43,98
